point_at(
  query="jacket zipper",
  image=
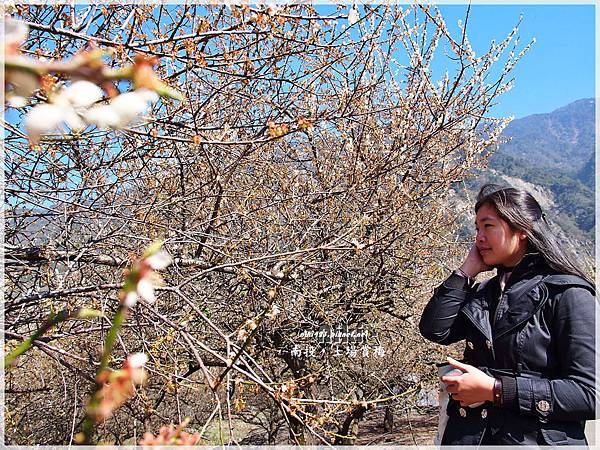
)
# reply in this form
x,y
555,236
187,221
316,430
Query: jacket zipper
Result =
x,y
497,310
482,436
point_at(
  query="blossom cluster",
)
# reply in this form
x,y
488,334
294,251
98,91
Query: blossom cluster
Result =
x,y
277,129
21,83
118,386
83,103
141,279
114,387
76,107
171,435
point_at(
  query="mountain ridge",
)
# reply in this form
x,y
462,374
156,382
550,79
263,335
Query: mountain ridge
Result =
x,y
563,138
554,154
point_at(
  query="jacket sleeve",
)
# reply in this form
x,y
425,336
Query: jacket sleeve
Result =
x,y
440,321
571,396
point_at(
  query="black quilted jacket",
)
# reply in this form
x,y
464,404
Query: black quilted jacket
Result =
x,y
538,336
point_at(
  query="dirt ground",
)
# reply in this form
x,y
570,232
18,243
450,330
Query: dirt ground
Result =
x,y
411,427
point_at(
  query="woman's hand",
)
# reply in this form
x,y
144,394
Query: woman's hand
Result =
x,y
473,263
471,387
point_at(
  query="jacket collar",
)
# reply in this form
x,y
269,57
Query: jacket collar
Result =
x,y
521,298
531,264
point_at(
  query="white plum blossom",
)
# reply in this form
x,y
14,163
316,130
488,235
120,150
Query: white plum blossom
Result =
x,y
145,289
131,104
131,299
48,117
74,106
103,116
42,119
353,16
65,107
122,110
137,360
81,94
148,280
134,368
143,278
159,261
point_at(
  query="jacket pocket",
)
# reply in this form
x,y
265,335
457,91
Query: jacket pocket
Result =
x,y
554,437
562,433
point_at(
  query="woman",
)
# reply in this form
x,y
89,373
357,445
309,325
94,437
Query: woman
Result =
x,y
529,331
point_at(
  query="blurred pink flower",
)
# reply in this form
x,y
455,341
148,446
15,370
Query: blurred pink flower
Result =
x,y
118,386
171,435
142,279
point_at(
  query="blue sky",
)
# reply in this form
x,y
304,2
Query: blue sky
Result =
x,y
558,69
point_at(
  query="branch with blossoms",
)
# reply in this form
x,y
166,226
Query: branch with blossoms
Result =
x,y
113,388
171,435
295,125
77,105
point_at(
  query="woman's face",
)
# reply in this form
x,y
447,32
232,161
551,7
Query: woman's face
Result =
x,y
497,243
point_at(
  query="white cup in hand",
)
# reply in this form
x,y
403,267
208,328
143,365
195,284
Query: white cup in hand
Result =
x,y
448,369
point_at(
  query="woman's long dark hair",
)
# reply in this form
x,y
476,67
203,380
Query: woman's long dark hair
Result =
x,y
523,213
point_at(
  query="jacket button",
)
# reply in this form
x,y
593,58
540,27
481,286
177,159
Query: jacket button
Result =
x,y
470,345
462,412
488,343
543,406
483,413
